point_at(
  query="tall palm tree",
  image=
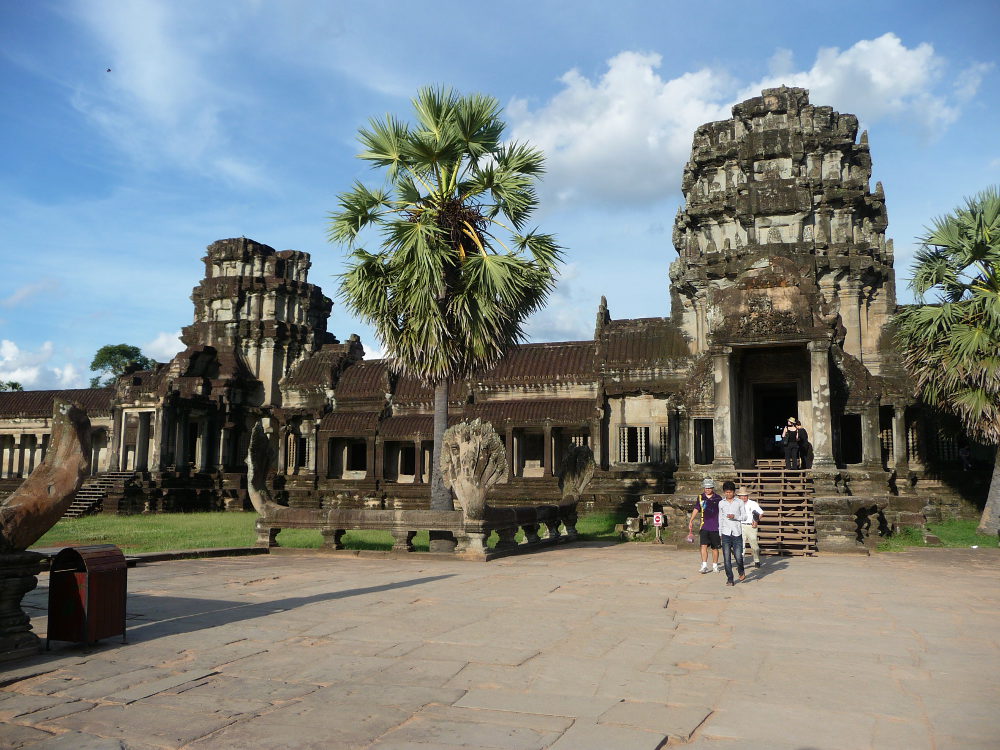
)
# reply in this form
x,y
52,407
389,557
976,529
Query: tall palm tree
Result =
x,y
457,271
952,347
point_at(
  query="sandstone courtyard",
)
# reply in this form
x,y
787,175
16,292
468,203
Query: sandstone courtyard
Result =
x,y
588,646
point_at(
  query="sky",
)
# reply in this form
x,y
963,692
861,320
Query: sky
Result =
x,y
137,132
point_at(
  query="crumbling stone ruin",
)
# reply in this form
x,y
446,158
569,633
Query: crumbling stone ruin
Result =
x,y
780,298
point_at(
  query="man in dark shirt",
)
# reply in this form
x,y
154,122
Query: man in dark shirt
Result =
x,y
708,505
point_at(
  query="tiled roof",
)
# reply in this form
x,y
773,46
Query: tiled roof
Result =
x,y
563,411
411,426
643,341
97,402
410,390
365,379
560,361
349,422
317,369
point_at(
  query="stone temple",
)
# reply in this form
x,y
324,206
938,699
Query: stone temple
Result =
x,y
781,295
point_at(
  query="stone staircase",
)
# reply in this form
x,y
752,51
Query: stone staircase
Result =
x,y
95,489
788,526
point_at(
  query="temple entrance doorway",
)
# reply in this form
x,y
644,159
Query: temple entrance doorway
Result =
x,y
773,404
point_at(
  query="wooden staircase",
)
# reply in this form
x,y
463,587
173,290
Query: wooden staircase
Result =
x,y
788,526
95,488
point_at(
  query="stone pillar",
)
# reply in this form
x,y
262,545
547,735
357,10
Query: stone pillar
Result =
x,y
871,444
283,452
596,445
159,439
142,442
370,459
312,445
120,447
322,454
377,454
547,450
822,419
850,314
418,462
509,440
684,438
180,441
723,418
225,435
900,462
204,443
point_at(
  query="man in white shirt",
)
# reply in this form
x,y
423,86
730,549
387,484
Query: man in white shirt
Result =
x,y
752,513
731,514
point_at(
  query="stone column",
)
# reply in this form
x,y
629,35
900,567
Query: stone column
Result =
x,y
142,442
322,454
418,462
723,418
283,452
379,458
822,419
850,314
871,443
900,462
180,441
509,440
159,439
225,435
547,450
684,438
204,442
370,459
596,445
312,445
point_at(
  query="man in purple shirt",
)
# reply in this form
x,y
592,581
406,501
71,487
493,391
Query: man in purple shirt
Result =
x,y
708,505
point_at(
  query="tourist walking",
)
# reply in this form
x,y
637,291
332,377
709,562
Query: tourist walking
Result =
x,y
793,437
751,515
708,505
731,514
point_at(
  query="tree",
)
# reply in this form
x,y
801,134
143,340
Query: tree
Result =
x,y
952,347
457,272
10,385
112,360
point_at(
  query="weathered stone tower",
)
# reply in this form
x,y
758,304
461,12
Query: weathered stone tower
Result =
x,y
257,302
783,263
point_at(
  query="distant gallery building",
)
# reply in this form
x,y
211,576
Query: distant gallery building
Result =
x,y
781,296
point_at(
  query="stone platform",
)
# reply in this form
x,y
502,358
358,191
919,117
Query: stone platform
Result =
x,y
584,647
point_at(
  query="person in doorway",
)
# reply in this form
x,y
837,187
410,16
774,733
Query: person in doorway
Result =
x,y
708,505
731,514
751,519
790,439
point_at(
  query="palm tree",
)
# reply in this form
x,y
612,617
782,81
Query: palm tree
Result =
x,y
457,272
952,347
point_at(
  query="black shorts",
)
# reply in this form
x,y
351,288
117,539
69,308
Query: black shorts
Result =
x,y
711,539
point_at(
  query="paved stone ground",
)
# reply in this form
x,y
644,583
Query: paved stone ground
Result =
x,y
579,648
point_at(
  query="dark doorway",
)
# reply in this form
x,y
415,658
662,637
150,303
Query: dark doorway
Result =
x,y
773,404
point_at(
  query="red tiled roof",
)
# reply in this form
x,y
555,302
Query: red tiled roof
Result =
x,y
97,402
349,422
365,379
563,411
317,369
563,360
409,426
643,341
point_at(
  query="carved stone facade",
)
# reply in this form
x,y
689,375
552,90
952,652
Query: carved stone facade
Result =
x,y
780,296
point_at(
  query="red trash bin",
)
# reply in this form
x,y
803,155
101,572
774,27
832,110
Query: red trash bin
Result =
x,y
87,590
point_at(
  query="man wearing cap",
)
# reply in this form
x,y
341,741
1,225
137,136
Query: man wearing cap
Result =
x,y
752,515
708,505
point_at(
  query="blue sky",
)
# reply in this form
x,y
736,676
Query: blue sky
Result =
x,y
224,119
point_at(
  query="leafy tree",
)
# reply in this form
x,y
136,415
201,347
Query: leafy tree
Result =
x,y
458,271
952,347
10,385
112,360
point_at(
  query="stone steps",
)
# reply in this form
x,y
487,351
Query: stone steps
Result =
x,y
788,526
93,492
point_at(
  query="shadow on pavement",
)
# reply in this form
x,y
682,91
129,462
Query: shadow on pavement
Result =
x,y
171,615
768,566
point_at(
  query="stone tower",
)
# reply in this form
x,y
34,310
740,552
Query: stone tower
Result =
x,y
782,190
256,301
784,280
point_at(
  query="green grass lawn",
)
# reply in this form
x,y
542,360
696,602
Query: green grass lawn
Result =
x,y
183,531
959,533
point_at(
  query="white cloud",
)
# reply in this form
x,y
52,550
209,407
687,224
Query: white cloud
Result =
x,y
878,78
34,370
625,137
156,101
163,347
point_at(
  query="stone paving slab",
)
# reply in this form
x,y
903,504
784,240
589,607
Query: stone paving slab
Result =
x,y
612,647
